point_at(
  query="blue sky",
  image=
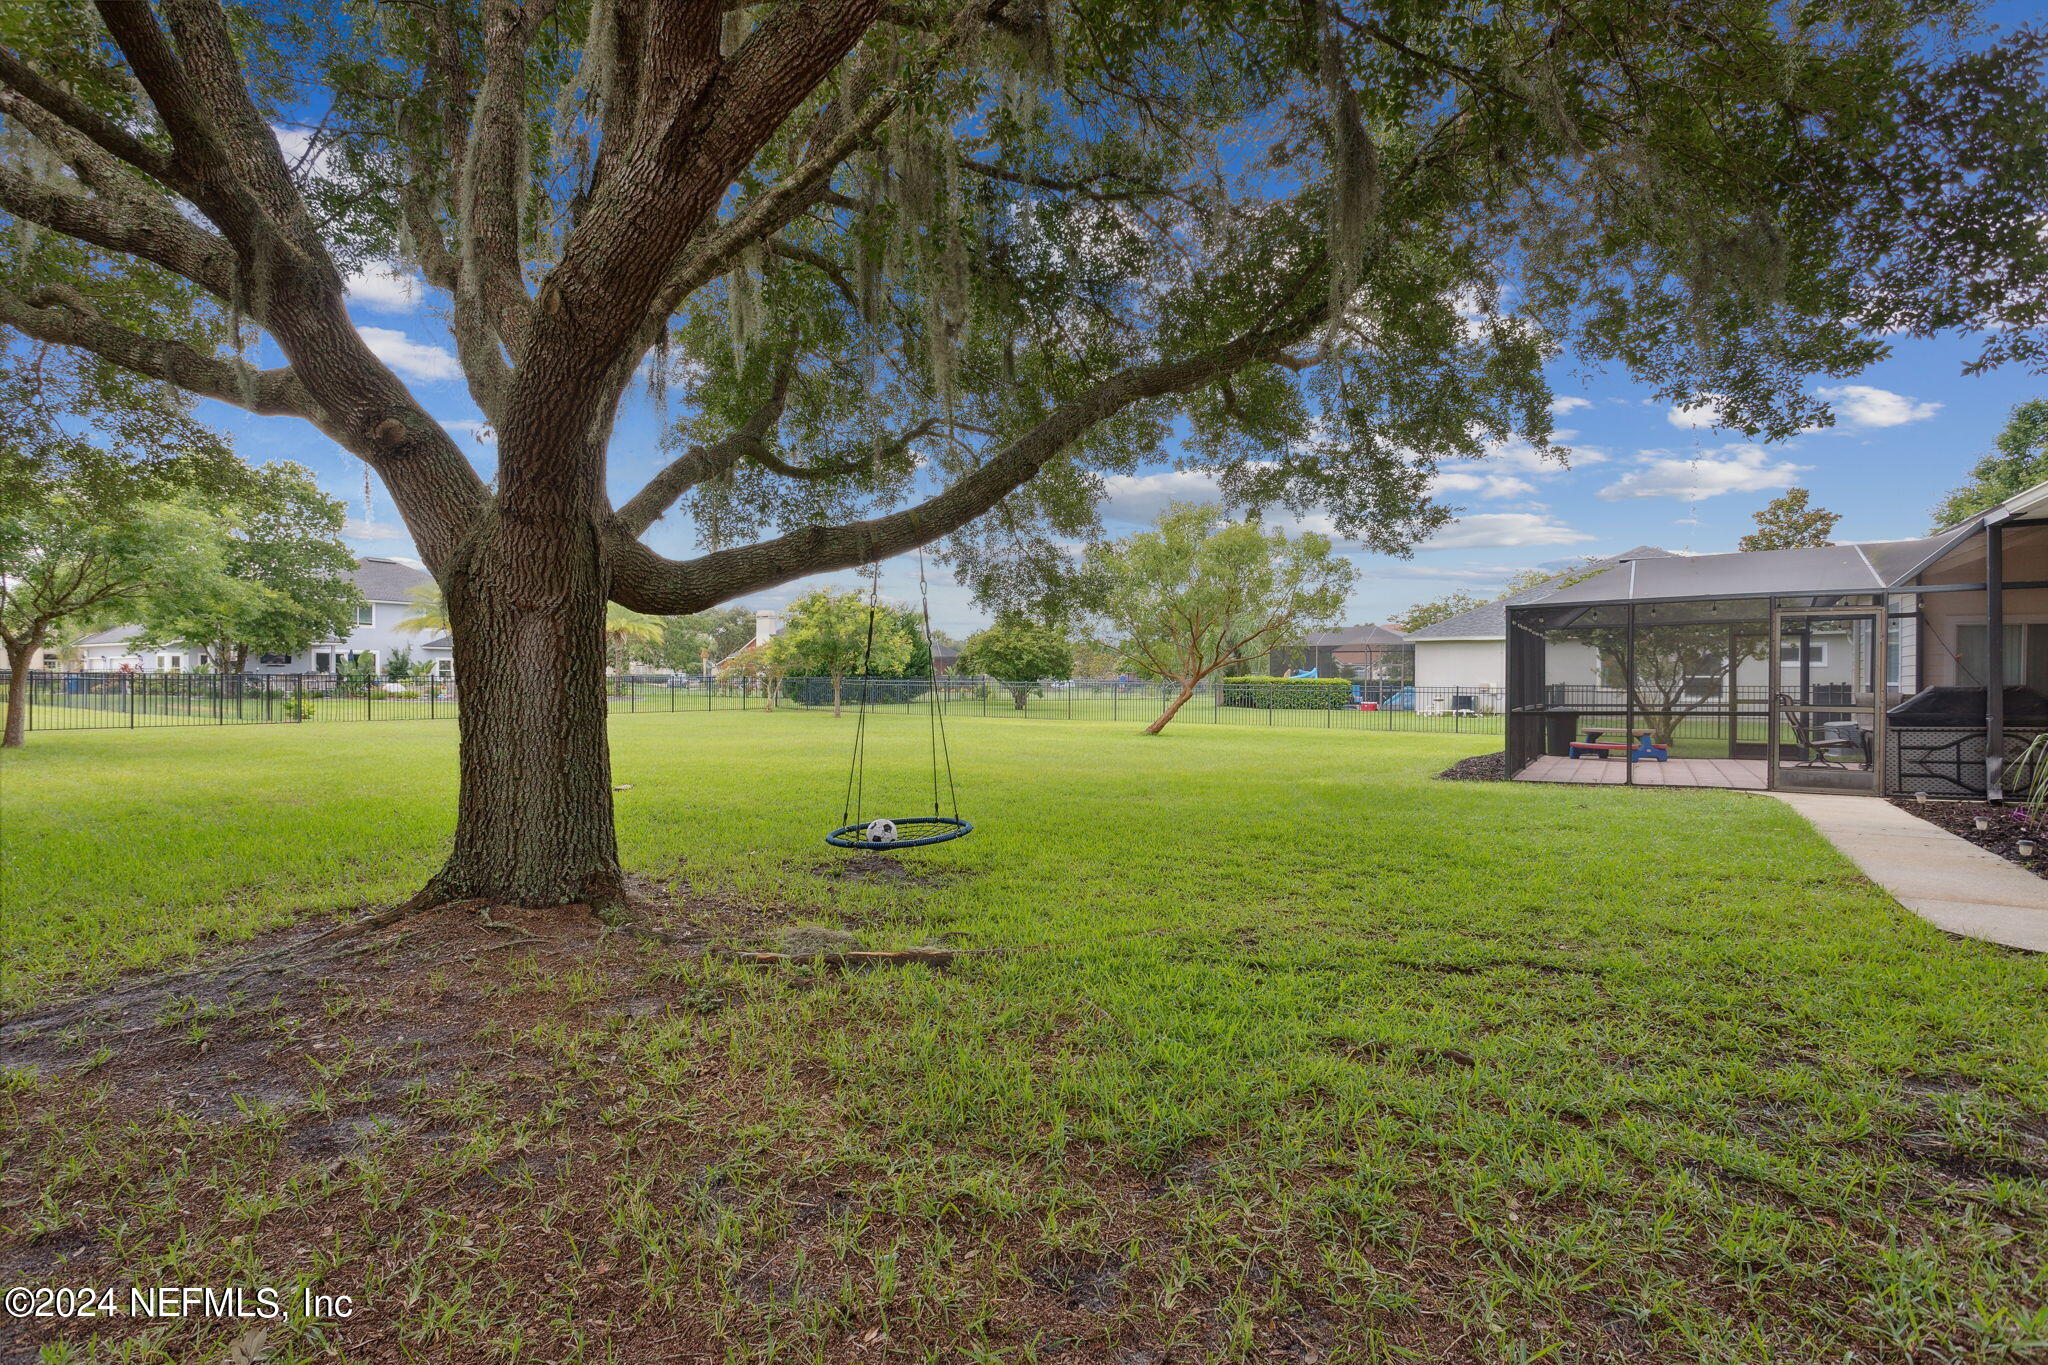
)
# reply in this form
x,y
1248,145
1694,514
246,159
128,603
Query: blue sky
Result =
x,y
1642,473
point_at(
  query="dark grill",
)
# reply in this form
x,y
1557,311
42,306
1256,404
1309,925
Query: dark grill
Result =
x,y
1963,708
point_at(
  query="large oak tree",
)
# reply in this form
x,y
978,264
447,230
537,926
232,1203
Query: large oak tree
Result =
x,y
918,272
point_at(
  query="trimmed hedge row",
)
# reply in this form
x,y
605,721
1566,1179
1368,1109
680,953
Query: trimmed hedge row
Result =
x,y
1286,694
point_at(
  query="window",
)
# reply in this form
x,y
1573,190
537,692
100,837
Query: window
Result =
x,y
1816,653
49,661
323,662
2026,653
366,615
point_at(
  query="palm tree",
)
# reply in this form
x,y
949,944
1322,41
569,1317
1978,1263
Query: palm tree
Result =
x,y
623,629
429,612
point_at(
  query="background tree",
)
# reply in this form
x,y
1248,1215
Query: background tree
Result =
x,y
1562,576
2018,460
911,264
68,559
833,635
1787,523
284,579
1201,591
426,611
1435,609
627,634
688,641
1019,653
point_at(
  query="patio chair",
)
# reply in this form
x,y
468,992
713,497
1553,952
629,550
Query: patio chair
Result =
x,y
1824,745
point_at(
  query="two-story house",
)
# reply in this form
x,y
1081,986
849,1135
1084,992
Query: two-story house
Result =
x,y
387,586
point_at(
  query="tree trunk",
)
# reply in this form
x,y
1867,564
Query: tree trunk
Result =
x,y
835,696
526,605
18,660
1020,695
1173,709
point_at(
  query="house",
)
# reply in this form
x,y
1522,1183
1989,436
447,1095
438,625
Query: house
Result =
x,y
1467,653
1362,653
745,660
386,585
1881,668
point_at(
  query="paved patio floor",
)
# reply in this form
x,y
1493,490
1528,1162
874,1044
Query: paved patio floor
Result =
x,y
1741,774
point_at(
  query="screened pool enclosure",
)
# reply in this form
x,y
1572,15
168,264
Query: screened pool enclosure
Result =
x,y
1855,668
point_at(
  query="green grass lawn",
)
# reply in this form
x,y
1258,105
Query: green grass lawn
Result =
x,y
1299,1055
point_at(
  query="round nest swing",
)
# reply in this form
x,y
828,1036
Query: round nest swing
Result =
x,y
909,832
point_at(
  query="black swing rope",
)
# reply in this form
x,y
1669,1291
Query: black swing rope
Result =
x,y
851,833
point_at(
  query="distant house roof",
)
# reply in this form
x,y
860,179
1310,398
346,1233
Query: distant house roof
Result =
x,y
945,652
388,580
117,635
1350,635
1871,566
1490,621
444,642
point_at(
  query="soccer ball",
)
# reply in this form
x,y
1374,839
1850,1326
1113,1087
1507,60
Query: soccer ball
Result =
x,y
881,832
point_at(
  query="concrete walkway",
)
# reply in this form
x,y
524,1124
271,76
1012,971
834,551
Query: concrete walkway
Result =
x,y
1949,882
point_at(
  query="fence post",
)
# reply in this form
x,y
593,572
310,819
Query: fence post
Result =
x,y
128,691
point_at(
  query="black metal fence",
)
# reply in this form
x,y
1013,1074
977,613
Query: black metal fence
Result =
x,y
111,701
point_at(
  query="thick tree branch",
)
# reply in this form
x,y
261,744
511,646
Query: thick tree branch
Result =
x,y
645,581
62,317
129,218
776,207
82,117
699,463
491,168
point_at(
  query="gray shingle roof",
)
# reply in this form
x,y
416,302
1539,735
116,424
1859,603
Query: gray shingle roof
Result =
x,y
387,580
1490,620
1866,567
116,635
1351,635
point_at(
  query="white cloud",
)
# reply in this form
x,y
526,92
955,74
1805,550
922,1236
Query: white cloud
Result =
x,y
1862,405
1696,416
1481,485
1524,458
1736,468
383,288
482,433
1485,574
1560,406
1503,528
1142,497
413,359
359,528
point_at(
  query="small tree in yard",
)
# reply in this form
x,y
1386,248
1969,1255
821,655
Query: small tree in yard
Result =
x,y
1018,653
1787,523
1201,591
830,635
284,579
62,558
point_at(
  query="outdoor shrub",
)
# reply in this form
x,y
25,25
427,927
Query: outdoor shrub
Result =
x,y
876,691
298,708
1286,694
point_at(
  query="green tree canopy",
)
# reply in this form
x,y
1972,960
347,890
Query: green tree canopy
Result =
x,y
2017,461
285,578
1018,652
1436,609
1786,522
836,635
1202,591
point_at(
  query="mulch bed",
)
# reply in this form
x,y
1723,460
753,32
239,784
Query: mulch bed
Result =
x,y
1478,768
2008,825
